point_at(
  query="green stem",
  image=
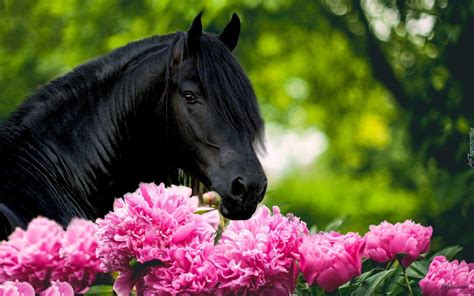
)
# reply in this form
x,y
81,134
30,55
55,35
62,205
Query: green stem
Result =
x,y
406,280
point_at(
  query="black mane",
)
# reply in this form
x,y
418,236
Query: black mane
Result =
x,y
228,86
61,147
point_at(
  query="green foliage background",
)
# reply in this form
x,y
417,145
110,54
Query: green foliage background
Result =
x,y
394,101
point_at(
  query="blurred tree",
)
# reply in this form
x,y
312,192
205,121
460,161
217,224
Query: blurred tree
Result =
x,y
420,51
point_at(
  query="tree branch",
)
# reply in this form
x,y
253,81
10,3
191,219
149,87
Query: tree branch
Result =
x,y
382,70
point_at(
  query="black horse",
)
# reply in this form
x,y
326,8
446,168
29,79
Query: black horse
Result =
x,y
144,112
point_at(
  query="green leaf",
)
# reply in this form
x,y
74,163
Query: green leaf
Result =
x,y
372,283
448,252
133,263
101,290
200,212
364,276
313,229
396,285
347,289
303,289
222,226
335,224
418,269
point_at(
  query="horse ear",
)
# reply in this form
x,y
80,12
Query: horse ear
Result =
x,y
194,34
230,34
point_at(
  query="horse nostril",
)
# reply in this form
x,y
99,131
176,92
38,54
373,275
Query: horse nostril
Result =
x,y
262,193
238,188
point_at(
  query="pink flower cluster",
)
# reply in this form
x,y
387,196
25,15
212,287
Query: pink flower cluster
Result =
x,y
259,256
16,289
385,241
158,224
159,228
189,272
25,289
45,253
162,243
79,262
58,288
448,278
331,259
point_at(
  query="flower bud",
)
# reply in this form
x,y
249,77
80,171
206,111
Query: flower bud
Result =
x,y
211,198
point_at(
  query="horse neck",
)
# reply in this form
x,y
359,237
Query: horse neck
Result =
x,y
124,142
85,141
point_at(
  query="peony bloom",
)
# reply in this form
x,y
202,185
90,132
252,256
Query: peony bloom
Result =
x,y
331,259
79,263
16,289
258,256
58,288
385,241
32,255
145,225
187,272
209,214
448,278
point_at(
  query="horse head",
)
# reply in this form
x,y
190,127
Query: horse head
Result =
x,y
214,119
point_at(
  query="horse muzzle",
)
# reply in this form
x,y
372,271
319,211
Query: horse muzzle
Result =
x,y
242,200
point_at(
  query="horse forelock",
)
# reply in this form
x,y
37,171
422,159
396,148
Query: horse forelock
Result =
x,y
224,82
228,89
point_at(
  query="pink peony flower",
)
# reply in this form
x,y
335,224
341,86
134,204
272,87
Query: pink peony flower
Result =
x,y
448,278
16,289
209,214
187,272
331,259
145,225
45,252
58,288
79,263
32,255
258,256
385,241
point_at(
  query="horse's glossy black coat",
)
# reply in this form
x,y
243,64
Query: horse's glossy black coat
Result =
x,y
135,115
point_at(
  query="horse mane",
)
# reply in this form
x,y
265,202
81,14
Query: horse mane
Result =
x,y
231,93
92,73
41,174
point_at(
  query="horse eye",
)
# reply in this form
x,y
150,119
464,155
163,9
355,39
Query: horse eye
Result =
x,y
189,98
